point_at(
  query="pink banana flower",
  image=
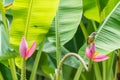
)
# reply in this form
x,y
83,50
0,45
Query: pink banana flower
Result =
x,y
93,55
23,49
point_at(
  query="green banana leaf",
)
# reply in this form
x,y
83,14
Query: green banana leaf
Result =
x,y
108,35
69,16
108,8
5,49
98,9
32,19
50,49
91,9
5,71
103,3
45,67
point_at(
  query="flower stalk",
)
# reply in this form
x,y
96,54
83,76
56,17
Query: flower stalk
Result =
x,y
90,65
63,60
23,70
25,53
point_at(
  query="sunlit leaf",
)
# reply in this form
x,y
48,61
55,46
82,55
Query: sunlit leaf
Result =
x,y
108,8
32,19
91,9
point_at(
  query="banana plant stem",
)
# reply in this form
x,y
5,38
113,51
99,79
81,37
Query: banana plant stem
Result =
x,y
23,70
104,70
97,71
12,68
118,70
84,30
78,73
34,70
58,53
94,25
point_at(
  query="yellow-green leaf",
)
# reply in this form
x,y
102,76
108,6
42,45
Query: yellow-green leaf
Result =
x,y
31,18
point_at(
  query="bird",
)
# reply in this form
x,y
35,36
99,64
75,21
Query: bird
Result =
x,y
91,38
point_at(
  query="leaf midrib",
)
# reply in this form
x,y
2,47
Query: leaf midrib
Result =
x,y
28,18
